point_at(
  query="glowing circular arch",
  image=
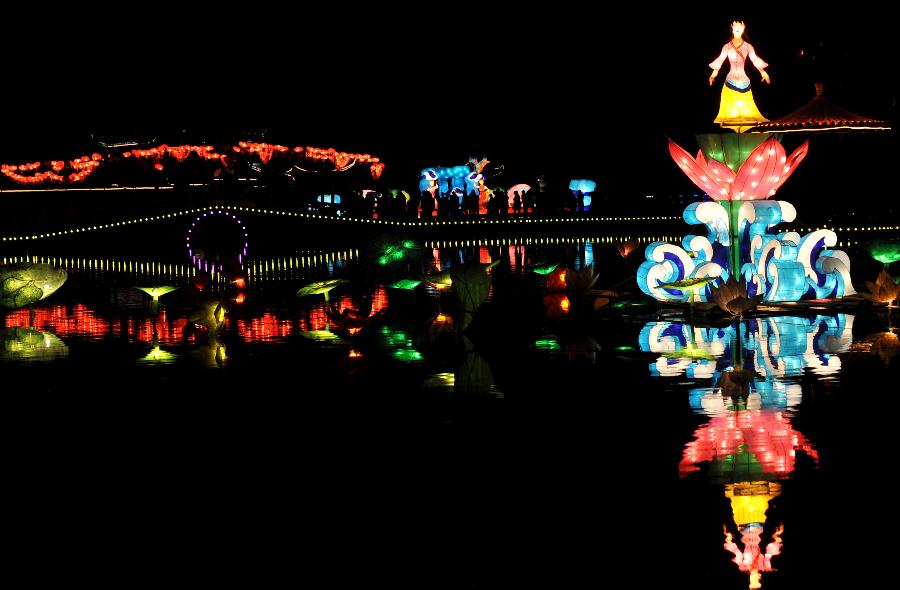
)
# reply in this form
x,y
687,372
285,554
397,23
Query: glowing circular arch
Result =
x,y
196,253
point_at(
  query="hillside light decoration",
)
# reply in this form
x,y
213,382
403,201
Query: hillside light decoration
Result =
x,y
740,241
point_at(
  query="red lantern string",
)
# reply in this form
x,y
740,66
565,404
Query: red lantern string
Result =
x,y
84,166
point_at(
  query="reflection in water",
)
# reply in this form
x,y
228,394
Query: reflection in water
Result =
x,y
749,502
210,317
884,344
156,354
473,375
744,444
748,441
30,345
79,320
399,343
266,328
780,346
471,285
258,270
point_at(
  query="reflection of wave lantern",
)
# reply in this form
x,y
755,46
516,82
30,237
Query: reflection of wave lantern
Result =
x,y
777,347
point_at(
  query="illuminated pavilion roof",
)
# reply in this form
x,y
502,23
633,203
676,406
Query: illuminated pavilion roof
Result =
x,y
820,114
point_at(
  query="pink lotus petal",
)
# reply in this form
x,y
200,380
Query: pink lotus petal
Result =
x,y
696,172
757,175
720,172
791,164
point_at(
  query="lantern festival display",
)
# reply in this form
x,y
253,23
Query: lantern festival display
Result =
x,y
740,172
740,237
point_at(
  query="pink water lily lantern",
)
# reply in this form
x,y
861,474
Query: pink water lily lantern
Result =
x,y
762,173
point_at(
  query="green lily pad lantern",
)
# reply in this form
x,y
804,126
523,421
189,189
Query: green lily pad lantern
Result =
x,y
156,293
691,285
24,284
320,288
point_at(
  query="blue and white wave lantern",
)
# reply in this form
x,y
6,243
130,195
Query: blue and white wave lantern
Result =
x,y
782,266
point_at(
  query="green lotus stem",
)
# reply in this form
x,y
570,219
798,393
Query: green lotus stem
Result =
x,y
734,208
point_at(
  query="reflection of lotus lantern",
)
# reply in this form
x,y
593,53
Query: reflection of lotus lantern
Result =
x,y
886,345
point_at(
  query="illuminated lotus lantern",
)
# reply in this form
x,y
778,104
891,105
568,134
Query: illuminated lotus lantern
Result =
x,y
884,290
731,296
740,240
582,280
24,284
758,176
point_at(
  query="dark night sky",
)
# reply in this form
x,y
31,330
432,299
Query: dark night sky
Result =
x,y
537,91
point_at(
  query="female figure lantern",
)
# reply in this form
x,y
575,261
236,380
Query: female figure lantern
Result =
x,y
736,108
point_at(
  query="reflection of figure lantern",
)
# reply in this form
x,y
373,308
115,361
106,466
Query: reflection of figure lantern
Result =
x,y
749,501
749,441
736,108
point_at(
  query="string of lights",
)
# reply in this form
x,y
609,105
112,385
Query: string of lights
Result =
x,y
378,222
